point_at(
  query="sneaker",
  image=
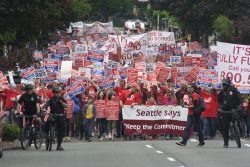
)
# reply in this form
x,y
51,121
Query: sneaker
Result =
x,y
201,144
65,139
101,138
59,148
68,139
181,143
225,146
89,140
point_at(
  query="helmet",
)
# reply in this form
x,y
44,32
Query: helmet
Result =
x,y
226,82
28,87
55,89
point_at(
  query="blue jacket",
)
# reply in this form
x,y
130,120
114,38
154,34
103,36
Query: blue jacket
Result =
x,y
85,108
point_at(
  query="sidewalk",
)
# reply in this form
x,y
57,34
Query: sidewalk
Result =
x,y
11,145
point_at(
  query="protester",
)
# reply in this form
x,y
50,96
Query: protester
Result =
x,y
210,114
89,115
193,117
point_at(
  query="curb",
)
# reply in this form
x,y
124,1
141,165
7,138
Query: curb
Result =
x,y
11,148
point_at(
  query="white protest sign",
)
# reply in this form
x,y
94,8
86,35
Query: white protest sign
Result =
x,y
11,77
161,37
234,62
66,69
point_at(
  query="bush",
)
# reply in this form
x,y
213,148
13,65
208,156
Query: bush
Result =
x,y
10,132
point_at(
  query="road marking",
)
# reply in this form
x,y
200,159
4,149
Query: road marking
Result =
x,y
159,152
193,140
171,159
248,145
149,146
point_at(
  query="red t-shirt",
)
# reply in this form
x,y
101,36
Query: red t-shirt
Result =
x,y
192,98
118,91
10,94
211,105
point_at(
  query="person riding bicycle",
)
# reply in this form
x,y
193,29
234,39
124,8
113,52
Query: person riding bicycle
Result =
x,y
57,105
29,101
228,98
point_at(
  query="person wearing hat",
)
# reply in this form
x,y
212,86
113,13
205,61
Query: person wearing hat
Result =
x,y
193,117
11,96
55,83
30,101
57,105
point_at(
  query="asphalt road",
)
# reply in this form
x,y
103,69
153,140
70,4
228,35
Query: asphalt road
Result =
x,y
133,153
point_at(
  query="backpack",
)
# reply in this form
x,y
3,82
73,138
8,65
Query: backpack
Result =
x,y
202,104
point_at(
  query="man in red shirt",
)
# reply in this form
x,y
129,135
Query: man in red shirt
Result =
x,y
193,117
11,95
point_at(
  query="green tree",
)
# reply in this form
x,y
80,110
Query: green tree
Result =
x,y
224,28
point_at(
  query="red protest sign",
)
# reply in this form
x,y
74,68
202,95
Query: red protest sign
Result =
x,y
112,110
191,77
100,108
132,76
79,62
163,74
69,109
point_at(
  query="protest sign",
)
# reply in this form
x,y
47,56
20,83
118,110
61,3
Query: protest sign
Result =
x,y
112,110
132,76
161,37
98,27
154,120
66,69
28,73
51,64
163,74
100,109
106,82
41,73
233,62
75,89
95,56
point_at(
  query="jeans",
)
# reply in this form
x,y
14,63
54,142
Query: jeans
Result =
x,y
103,126
209,127
89,125
193,119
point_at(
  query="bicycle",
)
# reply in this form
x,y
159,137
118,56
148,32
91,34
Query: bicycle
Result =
x,y
30,131
1,135
234,123
51,136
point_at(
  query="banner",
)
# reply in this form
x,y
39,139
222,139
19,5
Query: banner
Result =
x,y
161,37
112,110
106,82
154,120
233,62
98,28
100,109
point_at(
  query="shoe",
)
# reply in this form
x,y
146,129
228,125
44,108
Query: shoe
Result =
x,y
201,144
65,139
101,138
59,148
225,146
181,143
167,137
89,140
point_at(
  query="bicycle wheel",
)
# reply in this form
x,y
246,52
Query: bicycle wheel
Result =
x,y
24,137
38,140
237,135
51,136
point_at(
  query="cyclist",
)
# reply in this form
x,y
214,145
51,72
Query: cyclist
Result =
x,y
228,98
30,101
57,104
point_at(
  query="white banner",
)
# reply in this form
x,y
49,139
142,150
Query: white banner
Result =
x,y
140,112
234,62
98,28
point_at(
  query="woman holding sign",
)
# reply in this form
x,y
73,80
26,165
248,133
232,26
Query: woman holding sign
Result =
x,y
112,112
100,114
